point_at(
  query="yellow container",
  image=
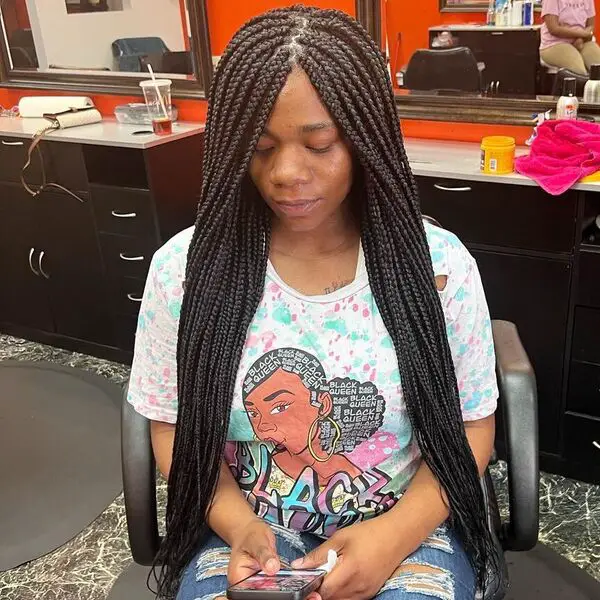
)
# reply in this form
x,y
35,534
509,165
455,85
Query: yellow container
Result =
x,y
497,155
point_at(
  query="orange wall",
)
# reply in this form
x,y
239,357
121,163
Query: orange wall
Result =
x,y
225,18
411,18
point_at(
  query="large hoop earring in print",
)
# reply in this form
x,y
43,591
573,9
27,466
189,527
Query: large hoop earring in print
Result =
x,y
336,438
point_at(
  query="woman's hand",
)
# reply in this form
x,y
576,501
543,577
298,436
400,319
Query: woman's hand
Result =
x,y
579,43
252,549
589,34
368,554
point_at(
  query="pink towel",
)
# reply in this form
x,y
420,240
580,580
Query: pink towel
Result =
x,y
562,153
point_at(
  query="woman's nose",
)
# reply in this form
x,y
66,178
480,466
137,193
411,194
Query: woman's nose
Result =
x,y
289,168
264,426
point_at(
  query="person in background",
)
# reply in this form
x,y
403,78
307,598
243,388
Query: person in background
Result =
x,y
568,35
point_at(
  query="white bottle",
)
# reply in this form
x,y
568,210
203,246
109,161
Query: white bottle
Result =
x,y
567,105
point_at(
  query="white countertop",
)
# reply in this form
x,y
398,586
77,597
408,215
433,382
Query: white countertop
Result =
x,y
476,27
106,133
461,160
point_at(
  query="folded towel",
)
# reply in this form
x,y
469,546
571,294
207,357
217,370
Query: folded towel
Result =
x,y
562,153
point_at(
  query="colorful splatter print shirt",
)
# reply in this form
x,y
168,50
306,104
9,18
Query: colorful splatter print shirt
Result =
x,y
319,435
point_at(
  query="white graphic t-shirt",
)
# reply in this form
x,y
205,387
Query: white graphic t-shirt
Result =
x,y
319,435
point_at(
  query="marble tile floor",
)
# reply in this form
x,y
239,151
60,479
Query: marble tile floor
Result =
x,y
85,567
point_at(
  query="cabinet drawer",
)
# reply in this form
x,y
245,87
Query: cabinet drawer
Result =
x,y
511,43
13,154
124,211
588,289
584,389
126,256
500,214
586,336
126,295
582,439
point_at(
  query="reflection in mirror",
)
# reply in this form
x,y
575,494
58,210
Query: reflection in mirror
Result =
x,y
101,36
78,6
493,53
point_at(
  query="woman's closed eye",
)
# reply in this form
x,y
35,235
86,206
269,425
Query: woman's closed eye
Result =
x,y
315,149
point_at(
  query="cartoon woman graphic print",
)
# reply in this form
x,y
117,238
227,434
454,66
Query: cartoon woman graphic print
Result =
x,y
310,422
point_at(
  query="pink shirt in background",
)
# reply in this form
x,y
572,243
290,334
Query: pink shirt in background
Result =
x,y
571,13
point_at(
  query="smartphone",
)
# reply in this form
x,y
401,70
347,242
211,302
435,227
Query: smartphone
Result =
x,y
284,585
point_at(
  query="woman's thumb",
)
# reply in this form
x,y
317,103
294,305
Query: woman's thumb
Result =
x,y
313,559
266,555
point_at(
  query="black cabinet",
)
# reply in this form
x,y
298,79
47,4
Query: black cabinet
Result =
x,y
23,295
72,272
525,243
511,216
51,269
533,293
71,266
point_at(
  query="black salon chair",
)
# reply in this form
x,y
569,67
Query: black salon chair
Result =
x,y
518,401
168,62
443,70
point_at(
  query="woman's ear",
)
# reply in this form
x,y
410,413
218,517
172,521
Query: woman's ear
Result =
x,y
326,403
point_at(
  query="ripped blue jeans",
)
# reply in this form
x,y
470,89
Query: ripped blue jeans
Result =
x,y
446,574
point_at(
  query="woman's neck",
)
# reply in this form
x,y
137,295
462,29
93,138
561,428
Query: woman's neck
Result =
x,y
332,237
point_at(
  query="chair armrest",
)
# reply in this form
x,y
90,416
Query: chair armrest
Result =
x,y
139,484
518,398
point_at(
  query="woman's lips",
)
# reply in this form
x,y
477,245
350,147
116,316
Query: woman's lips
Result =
x,y
299,208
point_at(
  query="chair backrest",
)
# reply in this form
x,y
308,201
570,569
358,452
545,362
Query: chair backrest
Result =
x,y
128,50
168,62
451,69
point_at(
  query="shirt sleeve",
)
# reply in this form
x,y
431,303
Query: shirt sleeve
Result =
x,y
153,381
550,7
591,9
469,331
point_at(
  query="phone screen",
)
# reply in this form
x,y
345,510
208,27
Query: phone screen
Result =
x,y
284,581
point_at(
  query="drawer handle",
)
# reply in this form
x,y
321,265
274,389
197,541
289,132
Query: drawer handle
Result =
x,y
452,189
40,258
133,298
31,251
130,258
498,33
5,143
596,444
120,215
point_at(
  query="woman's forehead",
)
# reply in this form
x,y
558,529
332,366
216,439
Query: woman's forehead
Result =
x,y
299,106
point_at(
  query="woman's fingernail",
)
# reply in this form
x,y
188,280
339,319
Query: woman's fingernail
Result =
x,y
296,564
272,565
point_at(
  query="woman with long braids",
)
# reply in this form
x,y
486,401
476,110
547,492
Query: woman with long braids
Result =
x,y
317,361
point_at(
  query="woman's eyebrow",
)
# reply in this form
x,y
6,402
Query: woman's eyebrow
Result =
x,y
309,128
317,126
274,395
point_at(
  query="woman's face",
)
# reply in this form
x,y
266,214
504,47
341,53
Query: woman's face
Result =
x,y
302,166
280,411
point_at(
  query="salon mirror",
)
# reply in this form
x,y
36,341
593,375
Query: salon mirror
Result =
x,y
104,43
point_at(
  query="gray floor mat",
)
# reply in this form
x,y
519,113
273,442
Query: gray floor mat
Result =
x,y
59,455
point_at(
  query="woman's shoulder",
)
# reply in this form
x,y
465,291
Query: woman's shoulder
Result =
x,y
448,254
170,259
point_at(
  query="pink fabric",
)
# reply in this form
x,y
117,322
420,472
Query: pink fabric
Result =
x,y
571,13
562,153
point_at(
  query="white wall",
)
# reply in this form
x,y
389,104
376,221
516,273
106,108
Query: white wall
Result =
x,y
83,40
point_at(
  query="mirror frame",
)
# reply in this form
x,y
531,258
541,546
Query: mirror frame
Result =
x,y
117,84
